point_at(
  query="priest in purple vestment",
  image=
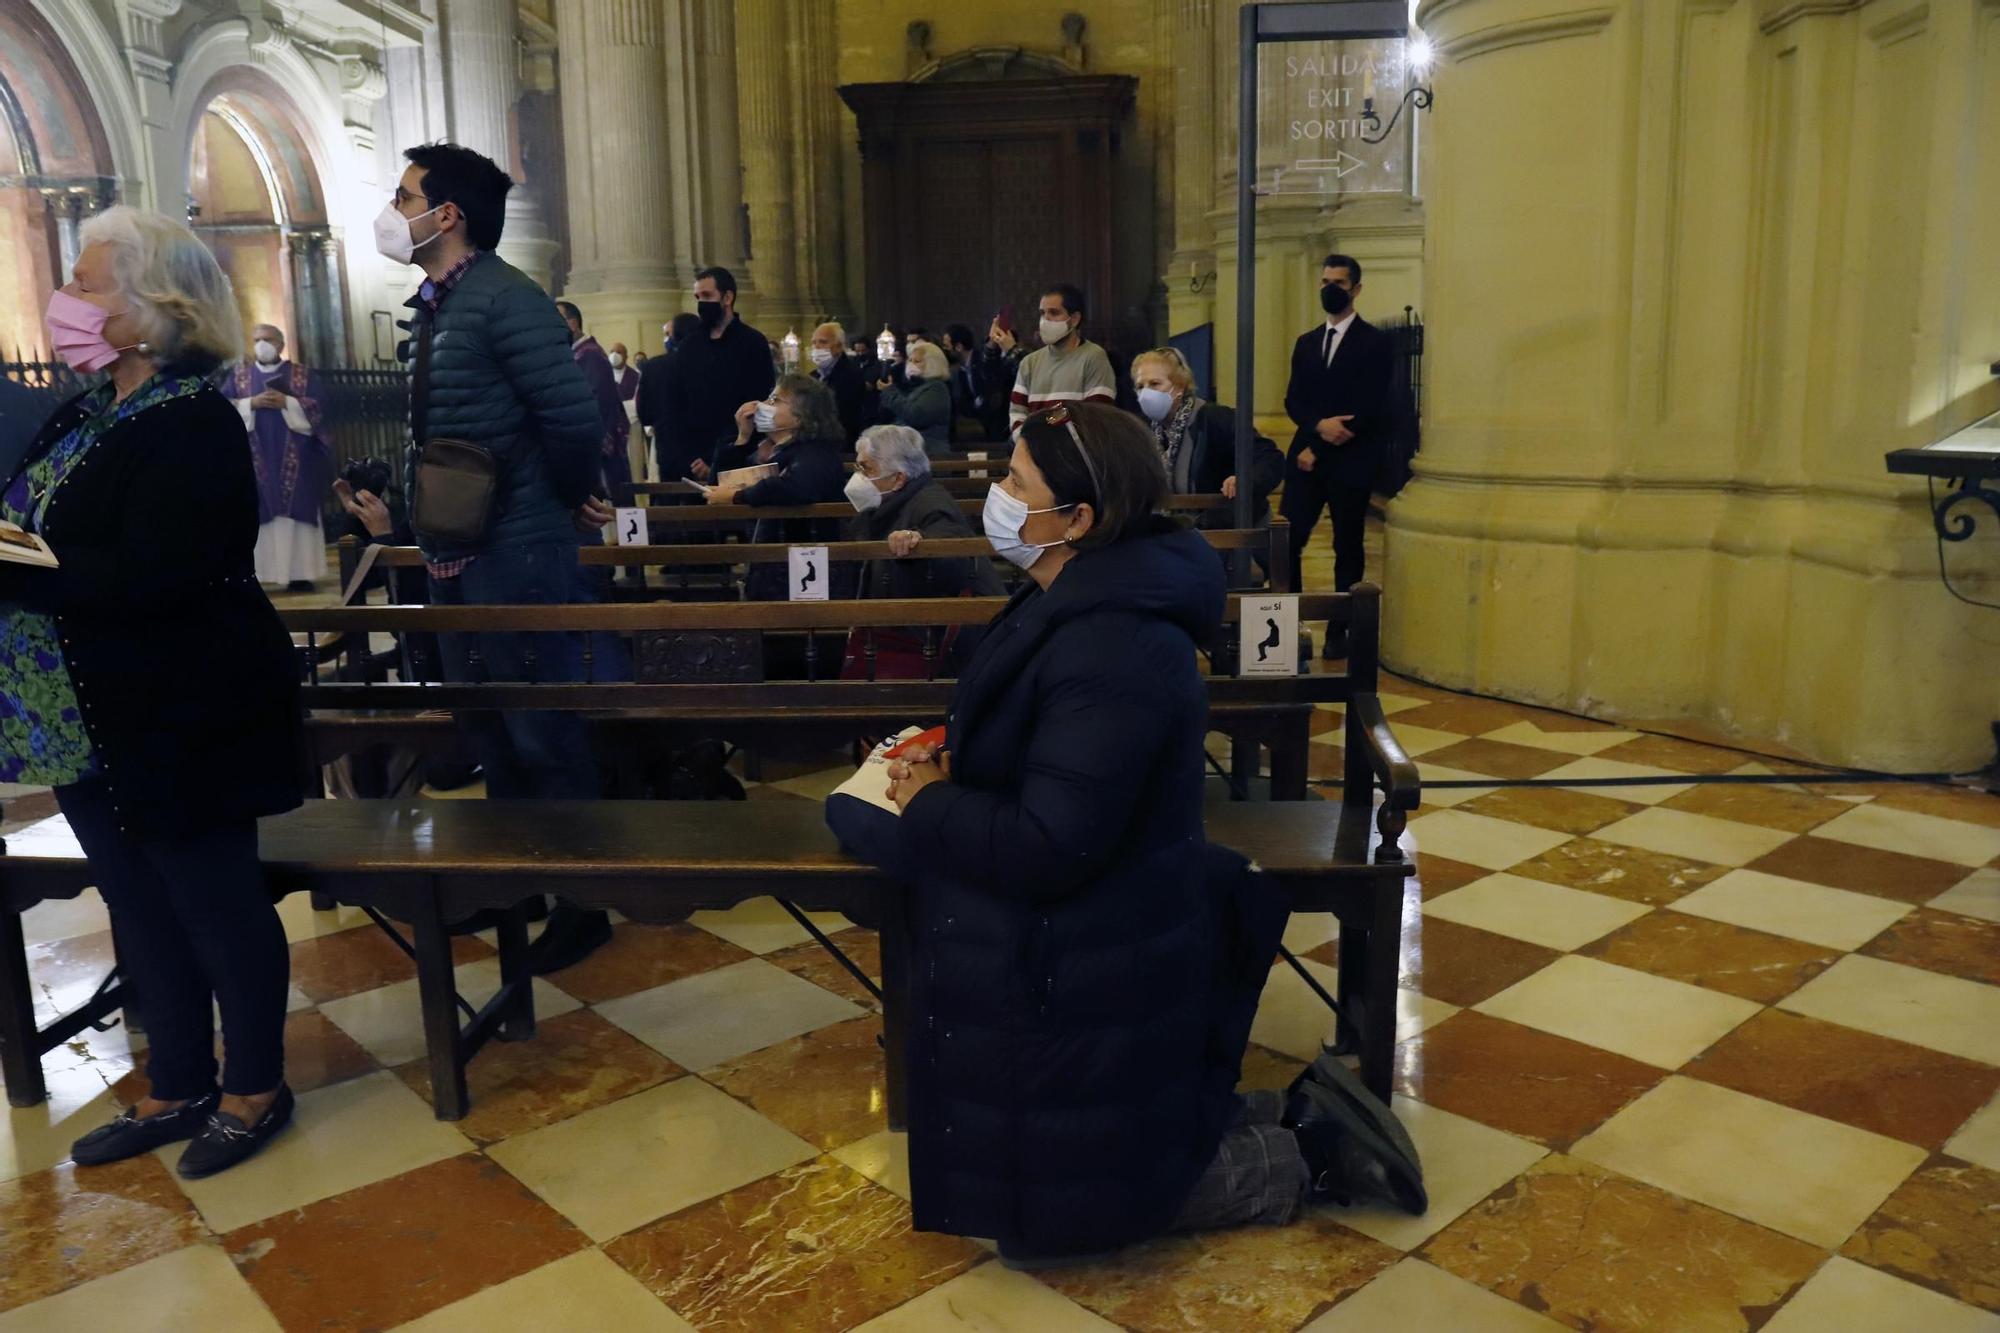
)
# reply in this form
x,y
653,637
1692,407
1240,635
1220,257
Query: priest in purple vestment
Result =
x,y
293,460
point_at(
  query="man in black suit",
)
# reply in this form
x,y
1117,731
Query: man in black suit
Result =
x,y
1338,397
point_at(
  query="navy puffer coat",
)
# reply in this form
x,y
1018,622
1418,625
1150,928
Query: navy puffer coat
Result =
x,y
502,376
1084,966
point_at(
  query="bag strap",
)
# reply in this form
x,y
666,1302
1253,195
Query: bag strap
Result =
x,y
420,380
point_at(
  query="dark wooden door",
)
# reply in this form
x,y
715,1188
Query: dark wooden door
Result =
x,y
976,195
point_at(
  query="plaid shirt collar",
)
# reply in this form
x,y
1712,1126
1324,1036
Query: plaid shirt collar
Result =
x,y
433,292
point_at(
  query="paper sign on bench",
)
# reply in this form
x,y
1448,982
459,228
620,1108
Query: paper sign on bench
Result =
x,y
1270,637
631,526
809,574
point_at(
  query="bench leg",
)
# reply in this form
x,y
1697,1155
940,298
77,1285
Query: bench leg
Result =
x,y
517,964
1243,756
1289,755
322,902
1369,961
896,1009
442,1043
20,1052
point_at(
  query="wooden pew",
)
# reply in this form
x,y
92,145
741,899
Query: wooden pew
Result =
x,y
714,516
431,863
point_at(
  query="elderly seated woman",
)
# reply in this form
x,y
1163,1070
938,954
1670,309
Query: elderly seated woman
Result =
x,y
797,431
924,403
1197,439
900,503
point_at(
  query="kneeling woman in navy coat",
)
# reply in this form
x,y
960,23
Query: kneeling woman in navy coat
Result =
x,y
1084,966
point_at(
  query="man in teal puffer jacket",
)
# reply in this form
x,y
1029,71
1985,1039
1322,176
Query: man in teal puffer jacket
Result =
x,y
501,376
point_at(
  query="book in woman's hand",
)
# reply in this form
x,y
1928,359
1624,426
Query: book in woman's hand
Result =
x,y
24,548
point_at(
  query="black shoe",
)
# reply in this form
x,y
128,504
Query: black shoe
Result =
x,y
299,585
1335,647
571,936
129,1136
1358,1150
224,1140
1024,1260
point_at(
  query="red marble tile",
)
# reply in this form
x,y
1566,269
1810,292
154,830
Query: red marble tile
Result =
x,y
1875,1083
1530,1083
816,965
1678,755
1959,946
1842,865
70,1225
1940,1229
640,957
1557,808
829,1087
1732,959
386,1253
1500,759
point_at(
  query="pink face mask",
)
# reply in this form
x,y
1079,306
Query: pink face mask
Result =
x,y
76,327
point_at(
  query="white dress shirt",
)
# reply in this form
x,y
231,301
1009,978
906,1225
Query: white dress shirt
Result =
x,y
1336,329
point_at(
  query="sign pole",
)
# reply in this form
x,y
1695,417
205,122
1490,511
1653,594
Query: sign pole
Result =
x,y
1246,278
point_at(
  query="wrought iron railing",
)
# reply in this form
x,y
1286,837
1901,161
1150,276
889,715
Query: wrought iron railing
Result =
x,y
363,413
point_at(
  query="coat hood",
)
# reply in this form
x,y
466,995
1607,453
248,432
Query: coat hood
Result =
x,y
1168,571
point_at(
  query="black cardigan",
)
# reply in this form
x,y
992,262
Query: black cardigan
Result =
x,y
183,673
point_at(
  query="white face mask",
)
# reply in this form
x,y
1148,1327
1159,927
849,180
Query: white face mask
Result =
x,y
1155,403
393,238
1003,517
822,357
767,418
267,352
861,493
1054,331
617,360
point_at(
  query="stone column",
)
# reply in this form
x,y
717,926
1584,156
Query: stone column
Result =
x,y
623,232
482,82
1194,165
785,61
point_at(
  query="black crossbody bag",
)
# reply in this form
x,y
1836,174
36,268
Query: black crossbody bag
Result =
x,y
457,482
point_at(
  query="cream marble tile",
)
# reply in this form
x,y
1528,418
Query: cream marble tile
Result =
x,y
883,1157
1416,1297
64,918
342,1137
1854,1298
989,1299
586,1290
623,1165
1833,918
1540,913
761,926
1722,842
1295,1022
703,1020
1583,770
1892,830
193,1288
1793,1172
35,1138
1480,840
1579,743
389,1020
1393,704
1923,1008
1978,894
302,923
1443,798
1417,740
1464,1161
1978,1139
1662,1022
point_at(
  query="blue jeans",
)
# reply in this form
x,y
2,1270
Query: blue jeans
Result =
x,y
526,753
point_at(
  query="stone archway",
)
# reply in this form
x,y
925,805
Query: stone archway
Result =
x,y
255,195
55,170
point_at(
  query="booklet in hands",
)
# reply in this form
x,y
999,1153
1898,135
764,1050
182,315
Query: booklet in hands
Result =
x,y
25,548
870,782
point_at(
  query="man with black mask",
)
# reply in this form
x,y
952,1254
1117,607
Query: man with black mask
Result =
x,y
1338,398
708,376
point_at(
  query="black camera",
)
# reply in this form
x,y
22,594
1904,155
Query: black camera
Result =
x,y
367,474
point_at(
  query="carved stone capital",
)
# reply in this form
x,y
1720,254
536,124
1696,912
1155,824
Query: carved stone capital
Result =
x,y
362,79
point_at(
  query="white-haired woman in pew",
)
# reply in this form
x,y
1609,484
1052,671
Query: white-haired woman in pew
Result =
x,y
146,678
899,502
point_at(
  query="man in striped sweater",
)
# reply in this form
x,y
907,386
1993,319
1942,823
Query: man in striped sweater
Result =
x,y
1066,369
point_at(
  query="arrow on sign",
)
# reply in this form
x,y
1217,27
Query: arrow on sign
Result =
x,y
1347,162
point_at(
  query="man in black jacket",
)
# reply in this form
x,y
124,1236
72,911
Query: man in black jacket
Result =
x,y
707,379
1338,398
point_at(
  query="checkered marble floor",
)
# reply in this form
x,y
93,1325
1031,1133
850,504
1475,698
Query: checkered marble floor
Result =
x,y
1677,1057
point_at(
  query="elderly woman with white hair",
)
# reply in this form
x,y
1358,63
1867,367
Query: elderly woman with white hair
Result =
x,y
146,678
899,503
924,404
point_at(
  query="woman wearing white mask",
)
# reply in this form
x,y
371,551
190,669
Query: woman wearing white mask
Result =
x,y
925,404
797,430
841,374
161,771
898,502
1084,966
1197,439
